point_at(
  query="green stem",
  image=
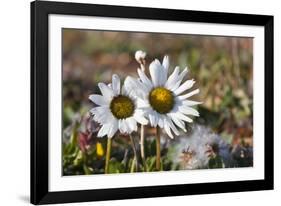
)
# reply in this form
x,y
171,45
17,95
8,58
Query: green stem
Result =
x,y
135,153
133,165
107,158
158,149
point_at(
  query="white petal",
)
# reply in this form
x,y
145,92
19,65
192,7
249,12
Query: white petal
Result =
x,y
129,83
152,120
106,91
144,78
179,79
113,129
190,103
139,117
165,62
161,120
172,79
175,86
104,130
183,117
156,117
167,129
134,87
182,74
178,122
188,110
98,99
166,65
131,122
125,91
169,124
102,114
185,86
143,88
126,127
121,126
156,73
172,126
185,96
142,103
116,84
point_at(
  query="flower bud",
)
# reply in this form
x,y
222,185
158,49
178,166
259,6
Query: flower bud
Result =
x,y
140,56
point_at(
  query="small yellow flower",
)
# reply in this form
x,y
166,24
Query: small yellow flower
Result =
x,y
100,151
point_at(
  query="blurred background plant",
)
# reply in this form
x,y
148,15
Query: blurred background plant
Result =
x,y
222,67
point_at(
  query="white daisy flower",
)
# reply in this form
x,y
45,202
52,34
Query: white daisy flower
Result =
x,y
117,109
165,99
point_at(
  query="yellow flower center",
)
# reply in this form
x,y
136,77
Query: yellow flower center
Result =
x,y
122,107
161,100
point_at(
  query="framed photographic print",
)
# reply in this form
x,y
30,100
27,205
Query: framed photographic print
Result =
x,y
133,102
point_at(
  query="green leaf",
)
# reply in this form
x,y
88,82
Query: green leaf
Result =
x,y
151,163
79,159
216,162
116,167
87,170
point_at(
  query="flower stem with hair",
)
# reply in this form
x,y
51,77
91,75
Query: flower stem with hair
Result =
x,y
107,158
135,153
140,57
158,149
142,147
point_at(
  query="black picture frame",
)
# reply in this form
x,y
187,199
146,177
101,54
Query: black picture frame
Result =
x,y
40,104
